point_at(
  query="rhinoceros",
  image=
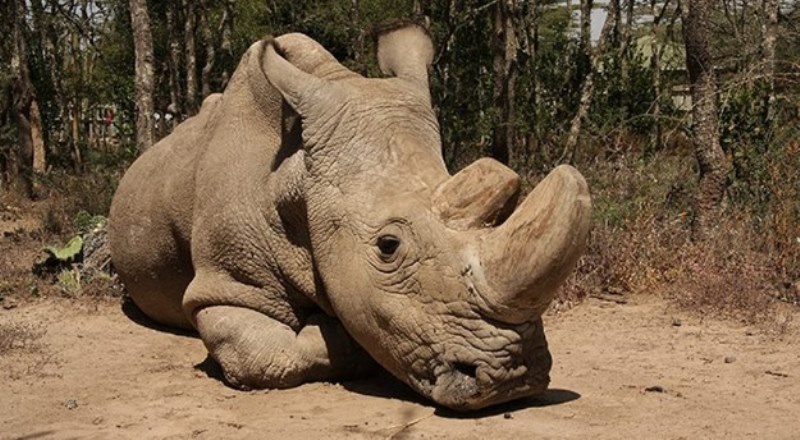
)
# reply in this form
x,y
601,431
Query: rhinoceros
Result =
x,y
305,224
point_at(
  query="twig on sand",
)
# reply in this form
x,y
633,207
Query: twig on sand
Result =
x,y
402,427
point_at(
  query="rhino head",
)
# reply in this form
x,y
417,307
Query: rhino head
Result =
x,y
442,279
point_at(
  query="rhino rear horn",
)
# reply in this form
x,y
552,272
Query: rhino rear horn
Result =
x,y
295,85
302,71
405,50
481,195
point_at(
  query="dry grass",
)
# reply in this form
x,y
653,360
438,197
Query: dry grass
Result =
x,y
19,337
641,244
67,195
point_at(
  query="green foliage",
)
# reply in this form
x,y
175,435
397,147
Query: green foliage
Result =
x,y
85,222
67,253
625,95
747,137
69,282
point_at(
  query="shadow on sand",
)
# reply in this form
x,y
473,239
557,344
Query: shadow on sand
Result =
x,y
136,315
551,397
212,369
384,385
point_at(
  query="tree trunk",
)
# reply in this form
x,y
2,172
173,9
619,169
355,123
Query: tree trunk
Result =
x,y
208,43
358,39
588,87
226,47
626,34
655,68
711,160
189,11
23,109
39,155
143,45
770,31
505,69
174,60
586,28
48,41
58,60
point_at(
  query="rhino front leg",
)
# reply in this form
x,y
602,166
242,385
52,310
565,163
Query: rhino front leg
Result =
x,y
256,351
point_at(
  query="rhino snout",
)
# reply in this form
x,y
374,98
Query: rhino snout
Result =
x,y
483,378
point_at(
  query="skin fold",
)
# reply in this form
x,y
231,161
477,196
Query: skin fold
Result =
x,y
304,223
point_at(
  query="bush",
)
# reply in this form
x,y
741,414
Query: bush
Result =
x,y
641,242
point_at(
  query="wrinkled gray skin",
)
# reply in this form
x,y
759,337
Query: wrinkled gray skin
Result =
x,y
304,223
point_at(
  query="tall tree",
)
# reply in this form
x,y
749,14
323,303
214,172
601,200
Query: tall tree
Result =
x,y
358,38
507,15
712,162
208,44
589,85
226,45
143,47
28,153
586,27
626,35
655,68
770,36
190,49
48,44
174,57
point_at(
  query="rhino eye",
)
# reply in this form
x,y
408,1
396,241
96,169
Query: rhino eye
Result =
x,y
388,245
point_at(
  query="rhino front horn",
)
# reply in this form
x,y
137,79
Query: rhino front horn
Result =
x,y
527,258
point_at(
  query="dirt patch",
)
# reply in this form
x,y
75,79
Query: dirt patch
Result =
x,y
620,371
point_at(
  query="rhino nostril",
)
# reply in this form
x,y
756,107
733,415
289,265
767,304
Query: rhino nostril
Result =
x,y
466,369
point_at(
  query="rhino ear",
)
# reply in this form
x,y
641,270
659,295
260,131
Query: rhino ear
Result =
x,y
405,50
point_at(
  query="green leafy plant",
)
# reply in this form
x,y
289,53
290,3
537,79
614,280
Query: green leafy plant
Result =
x,y
69,252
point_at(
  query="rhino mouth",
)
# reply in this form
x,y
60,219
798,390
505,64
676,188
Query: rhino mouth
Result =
x,y
464,383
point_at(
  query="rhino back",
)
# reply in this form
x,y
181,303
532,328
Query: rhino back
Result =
x,y
253,161
151,218
206,176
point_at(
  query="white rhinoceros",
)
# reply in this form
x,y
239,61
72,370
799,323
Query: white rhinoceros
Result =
x,y
304,222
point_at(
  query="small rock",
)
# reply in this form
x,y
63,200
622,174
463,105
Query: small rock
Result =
x,y
730,359
17,344
655,389
8,305
676,322
508,416
71,404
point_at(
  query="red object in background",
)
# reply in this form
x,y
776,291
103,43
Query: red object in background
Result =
x,y
109,119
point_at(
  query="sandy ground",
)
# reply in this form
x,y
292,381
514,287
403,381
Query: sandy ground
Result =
x,y
92,371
